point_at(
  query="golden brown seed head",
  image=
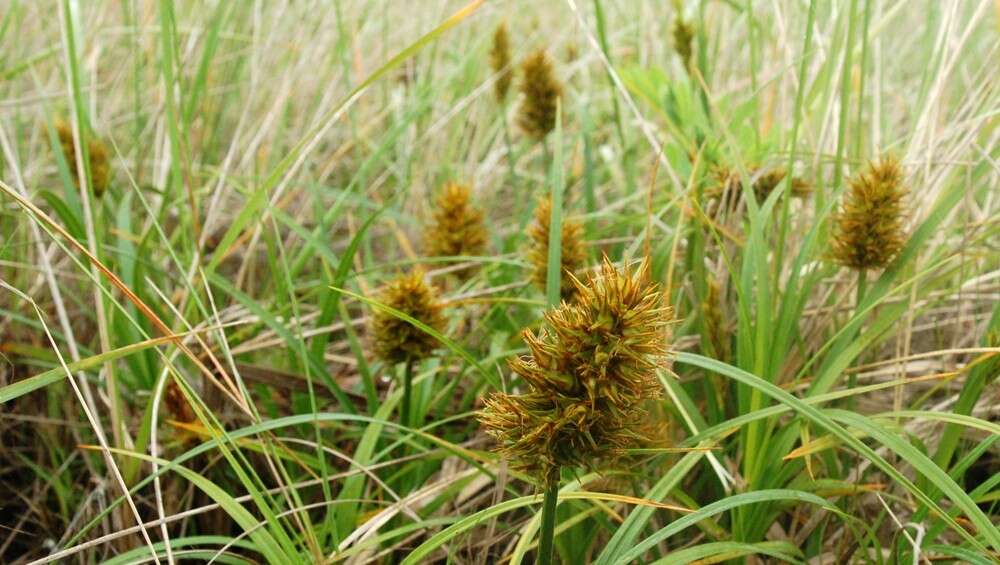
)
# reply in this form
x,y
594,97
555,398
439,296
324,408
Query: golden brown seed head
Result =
x,y
456,227
573,254
589,370
500,63
868,231
683,40
97,154
715,325
397,340
541,92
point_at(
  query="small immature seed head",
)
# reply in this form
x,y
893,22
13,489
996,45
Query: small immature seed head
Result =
x,y
765,182
177,403
868,231
500,63
727,187
541,92
573,254
397,340
683,40
456,227
590,368
97,154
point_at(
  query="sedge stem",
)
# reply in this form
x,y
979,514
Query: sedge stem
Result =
x,y
404,415
548,518
852,380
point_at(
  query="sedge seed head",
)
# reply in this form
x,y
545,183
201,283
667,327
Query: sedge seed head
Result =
x,y
589,370
683,35
456,226
395,340
727,186
97,155
868,231
573,253
500,63
541,92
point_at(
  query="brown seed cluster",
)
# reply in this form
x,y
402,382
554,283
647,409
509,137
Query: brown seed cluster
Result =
x,y
500,63
683,41
396,340
541,92
590,368
573,254
97,154
456,226
868,230
177,403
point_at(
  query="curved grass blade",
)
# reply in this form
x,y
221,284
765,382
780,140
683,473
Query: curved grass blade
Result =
x,y
823,420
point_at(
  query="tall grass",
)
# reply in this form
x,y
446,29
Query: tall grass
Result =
x,y
186,366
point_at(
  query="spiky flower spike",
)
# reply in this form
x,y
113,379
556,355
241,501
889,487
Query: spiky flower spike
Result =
x,y
590,368
397,340
683,41
97,154
500,63
541,92
869,229
573,254
456,227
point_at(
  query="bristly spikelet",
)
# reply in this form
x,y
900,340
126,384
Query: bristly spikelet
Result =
x,y
683,41
868,231
541,92
573,254
396,340
712,316
97,154
500,63
590,368
456,227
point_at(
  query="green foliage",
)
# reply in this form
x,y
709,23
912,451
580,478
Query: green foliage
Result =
x,y
199,347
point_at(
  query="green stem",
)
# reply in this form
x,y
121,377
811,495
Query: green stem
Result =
x,y
862,284
510,146
404,415
548,518
852,380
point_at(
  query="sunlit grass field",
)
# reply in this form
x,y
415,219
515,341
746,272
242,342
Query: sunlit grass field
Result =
x,y
476,282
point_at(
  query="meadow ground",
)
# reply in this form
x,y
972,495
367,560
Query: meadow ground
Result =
x,y
290,282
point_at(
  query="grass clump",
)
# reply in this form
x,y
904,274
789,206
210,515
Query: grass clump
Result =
x,y
221,363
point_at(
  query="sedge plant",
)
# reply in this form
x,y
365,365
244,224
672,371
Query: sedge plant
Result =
x,y
589,371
